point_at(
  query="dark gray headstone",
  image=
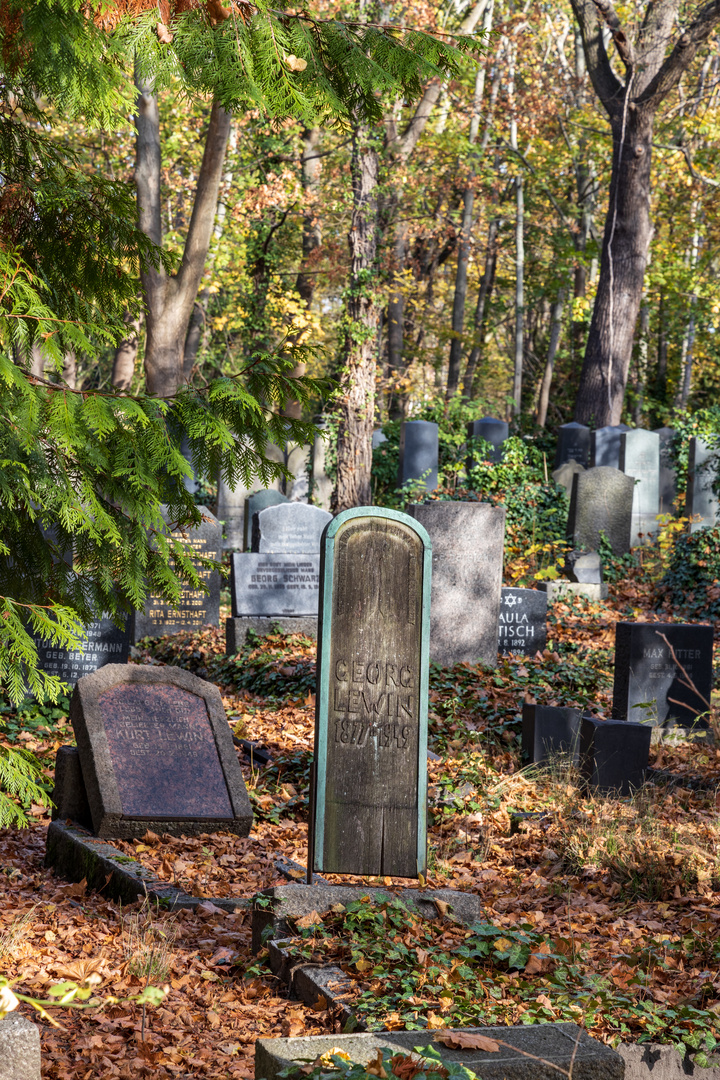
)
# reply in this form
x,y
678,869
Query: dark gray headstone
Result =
x,y
601,502
419,453
467,540
573,445
289,528
668,476
522,626
605,445
640,458
196,608
614,754
103,644
268,585
549,731
584,567
70,801
563,476
493,431
371,713
701,501
156,753
649,684
259,500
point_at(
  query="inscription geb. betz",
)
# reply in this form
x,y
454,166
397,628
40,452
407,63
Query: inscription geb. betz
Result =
x,y
371,793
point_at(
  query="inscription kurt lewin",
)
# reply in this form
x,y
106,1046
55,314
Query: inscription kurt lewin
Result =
x,y
381,698
163,752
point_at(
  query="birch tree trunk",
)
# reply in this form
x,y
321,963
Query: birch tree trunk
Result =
x,y
359,359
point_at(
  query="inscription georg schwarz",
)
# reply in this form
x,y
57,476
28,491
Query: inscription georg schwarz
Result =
x,y
163,753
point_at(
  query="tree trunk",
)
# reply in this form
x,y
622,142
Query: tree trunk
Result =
x,y
486,287
519,281
555,330
626,243
169,299
126,355
357,377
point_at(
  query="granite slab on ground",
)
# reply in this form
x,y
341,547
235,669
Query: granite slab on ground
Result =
x,y
74,853
291,902
19,1048
536,1052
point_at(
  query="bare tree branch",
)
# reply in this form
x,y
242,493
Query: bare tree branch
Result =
x,y
608,87
682,56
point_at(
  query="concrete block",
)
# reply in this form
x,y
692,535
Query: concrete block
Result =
x,y
290,902
19,1048
536,1052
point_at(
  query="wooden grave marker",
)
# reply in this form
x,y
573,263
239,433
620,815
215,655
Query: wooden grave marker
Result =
x,y
370,782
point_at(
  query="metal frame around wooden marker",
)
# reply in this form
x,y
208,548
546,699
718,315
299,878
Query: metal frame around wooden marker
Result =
x,y
316,836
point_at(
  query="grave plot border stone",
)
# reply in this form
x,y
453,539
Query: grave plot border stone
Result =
x,y
316,831
97,766
236,628
19,1048
536,1052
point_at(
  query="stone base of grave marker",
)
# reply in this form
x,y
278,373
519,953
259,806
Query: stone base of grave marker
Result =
x,y
614,754
69,796
156,752
19,1048
537,1052
548,732
236,629
559,590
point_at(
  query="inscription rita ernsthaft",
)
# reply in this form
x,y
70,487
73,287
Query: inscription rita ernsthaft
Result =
x,y
383,702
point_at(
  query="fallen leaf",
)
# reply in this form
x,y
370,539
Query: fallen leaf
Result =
x,y
209,976
465,1040
442,906
320,1005
435,1021
207,908
311,919
375,1067
77,888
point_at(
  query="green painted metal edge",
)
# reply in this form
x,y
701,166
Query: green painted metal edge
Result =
x,y
322,699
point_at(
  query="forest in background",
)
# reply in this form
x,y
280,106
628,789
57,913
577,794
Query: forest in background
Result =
x,y
491,201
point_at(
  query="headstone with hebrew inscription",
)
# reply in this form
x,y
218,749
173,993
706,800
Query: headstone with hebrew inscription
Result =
x,y
370,789
156,753
196,607
103,643
663,673
467,540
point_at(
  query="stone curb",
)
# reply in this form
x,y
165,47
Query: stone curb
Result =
x,y
309,982
536,1052
290,902
74,854
19,1048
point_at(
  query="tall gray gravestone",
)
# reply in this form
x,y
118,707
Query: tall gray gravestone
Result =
x,y
668,475
196,608
640,458
573,444
259,500
601,502
701,501
419,453
289,527
522,626
467,540
650,684
103,644
370,785
605,445
156,753
493,431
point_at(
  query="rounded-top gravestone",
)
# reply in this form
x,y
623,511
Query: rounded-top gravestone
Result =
x,y
290,528
259,500
419,453
493,431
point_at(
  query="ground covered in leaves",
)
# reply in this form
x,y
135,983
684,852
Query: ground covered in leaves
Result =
x,y
602,911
